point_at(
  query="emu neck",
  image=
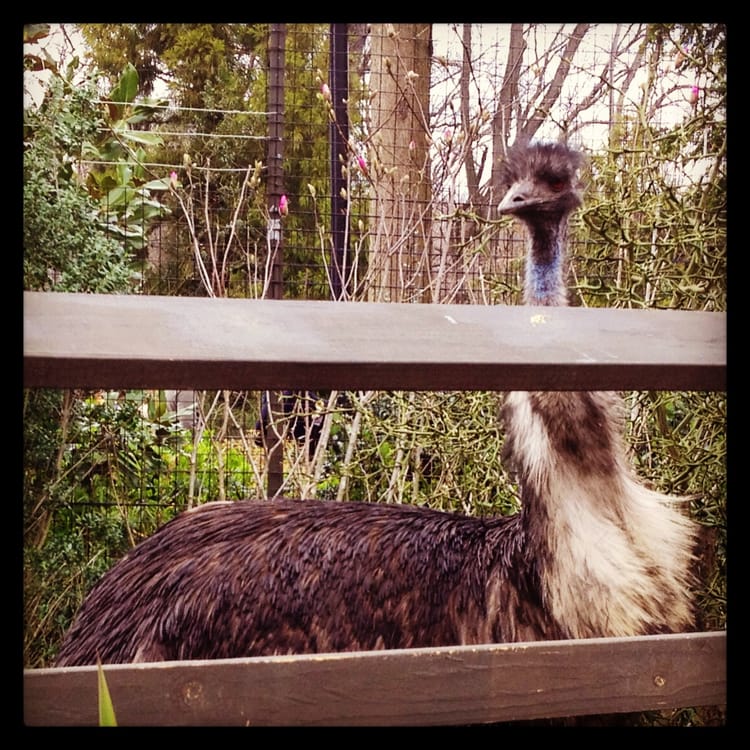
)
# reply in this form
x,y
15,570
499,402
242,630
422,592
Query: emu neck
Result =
x,y
613,556
544,267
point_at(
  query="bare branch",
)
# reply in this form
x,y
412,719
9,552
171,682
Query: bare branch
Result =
x,y
530,129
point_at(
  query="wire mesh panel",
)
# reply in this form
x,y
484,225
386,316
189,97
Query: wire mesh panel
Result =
x,y
389,145
363,165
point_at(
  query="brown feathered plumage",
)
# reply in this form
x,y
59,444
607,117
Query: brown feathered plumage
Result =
x,y
248,578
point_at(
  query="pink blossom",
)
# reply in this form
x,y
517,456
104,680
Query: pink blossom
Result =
x,y
362,164
283,205
694,91
173,179
325,92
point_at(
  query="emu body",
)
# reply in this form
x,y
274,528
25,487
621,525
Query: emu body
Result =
x,y
593,552
259,578
252,578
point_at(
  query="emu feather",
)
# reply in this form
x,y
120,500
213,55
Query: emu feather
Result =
x,y
593,552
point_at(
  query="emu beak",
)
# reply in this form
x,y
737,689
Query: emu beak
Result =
x,y
519,196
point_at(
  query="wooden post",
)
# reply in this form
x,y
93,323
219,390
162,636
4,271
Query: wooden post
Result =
x,y
400,80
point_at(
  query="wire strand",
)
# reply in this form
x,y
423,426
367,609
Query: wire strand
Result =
x,y
200,135
155,165
178,108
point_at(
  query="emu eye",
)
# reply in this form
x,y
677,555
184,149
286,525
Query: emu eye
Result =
x,y
556,186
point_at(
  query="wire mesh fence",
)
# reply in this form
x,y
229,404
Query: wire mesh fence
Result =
x,y
441,245
363,166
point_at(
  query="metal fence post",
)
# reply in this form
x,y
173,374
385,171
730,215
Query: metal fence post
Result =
x,y
275,238
339,143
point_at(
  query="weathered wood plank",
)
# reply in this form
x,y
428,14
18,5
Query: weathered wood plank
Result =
x,y
112,341
459,685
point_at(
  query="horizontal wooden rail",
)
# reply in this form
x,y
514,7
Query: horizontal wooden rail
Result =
x,y
114,341
452,685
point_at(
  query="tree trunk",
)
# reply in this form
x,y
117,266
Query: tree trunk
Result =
x,y
399,162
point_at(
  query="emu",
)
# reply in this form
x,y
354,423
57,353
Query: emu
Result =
x,y
592,552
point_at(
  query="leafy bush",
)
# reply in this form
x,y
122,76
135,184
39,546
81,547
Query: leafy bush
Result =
x,y
65,247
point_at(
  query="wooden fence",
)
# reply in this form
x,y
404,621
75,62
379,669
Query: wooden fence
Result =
x,y
109,341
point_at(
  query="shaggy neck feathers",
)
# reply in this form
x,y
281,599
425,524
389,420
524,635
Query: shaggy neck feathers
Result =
x,y
613,556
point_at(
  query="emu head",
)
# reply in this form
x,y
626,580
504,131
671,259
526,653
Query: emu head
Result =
x,y
542,182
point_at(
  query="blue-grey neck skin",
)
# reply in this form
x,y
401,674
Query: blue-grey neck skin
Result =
x,y
544,283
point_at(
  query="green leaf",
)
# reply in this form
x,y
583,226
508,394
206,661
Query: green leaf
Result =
x,y
140,173
146,210
146,109
124,174
385,449
107,716
119,196
127,86
162,184
71,68
124,232
157,406
141,136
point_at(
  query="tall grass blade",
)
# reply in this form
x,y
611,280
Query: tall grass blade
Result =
x,y
107,716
